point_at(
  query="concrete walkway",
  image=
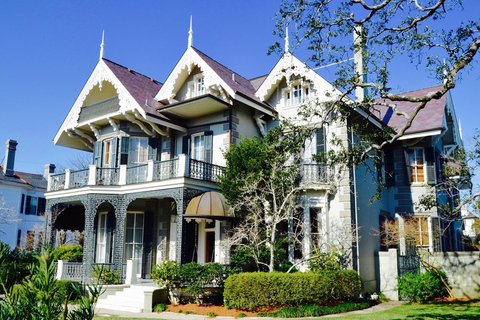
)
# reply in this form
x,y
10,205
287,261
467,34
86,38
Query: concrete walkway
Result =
x,y
181,316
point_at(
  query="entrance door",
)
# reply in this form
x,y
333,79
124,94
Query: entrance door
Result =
x,y
134,239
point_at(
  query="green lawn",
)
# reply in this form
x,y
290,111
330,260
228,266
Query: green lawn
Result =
x,y
433,311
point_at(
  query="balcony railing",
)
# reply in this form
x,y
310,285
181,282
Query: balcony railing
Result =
x,y
205,171
137,174
315,173
182,166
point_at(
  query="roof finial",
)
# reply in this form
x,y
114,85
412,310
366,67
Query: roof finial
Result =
x,y
102,49
190,34
287,44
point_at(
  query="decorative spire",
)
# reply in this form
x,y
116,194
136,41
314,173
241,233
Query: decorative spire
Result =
x,y
445,73
287,44
190,34
102,46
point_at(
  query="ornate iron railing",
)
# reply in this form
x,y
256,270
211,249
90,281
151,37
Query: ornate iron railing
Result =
x,y
315,173
163,170
78,178
99,109
107,176
205,171
57,182
72,270
137,173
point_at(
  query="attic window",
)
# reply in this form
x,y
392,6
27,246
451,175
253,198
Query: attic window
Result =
x,y
296,94
197,86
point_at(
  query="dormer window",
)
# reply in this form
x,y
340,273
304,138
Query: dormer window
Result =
x,y
296,94
197,86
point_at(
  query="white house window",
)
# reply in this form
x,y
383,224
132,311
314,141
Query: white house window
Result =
x,y
197,86
133,248
417,164
102,239
198,147
107,152
138,150
296,94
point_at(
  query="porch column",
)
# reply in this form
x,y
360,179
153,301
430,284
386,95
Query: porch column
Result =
x,y
307,233
179,225
119,240
88,240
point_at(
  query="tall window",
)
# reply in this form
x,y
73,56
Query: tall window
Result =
x,y
107,153
198,147
134,238
297,94
138,150
102,238
416,159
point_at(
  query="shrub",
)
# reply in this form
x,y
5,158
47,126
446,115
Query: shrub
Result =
x,y
69,253
67,288
104,275
160,307
15,265
255,290
421,287
192,276
326,261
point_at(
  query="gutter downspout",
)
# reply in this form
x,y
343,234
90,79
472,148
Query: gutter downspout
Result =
x,y
355,208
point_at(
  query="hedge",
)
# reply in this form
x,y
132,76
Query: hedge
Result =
x,y
251,291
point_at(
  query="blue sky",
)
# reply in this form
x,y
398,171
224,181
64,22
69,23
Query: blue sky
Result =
x,y
49,48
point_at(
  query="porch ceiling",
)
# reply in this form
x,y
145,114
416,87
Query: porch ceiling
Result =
x,y
196,107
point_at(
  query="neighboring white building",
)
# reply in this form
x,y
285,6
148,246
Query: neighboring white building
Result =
x,y
21,194
157,147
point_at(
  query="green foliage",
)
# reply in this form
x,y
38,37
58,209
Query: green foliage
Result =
x,y
104,274
242,315
41,296
160,307
243,258
315,310
422,286
326,261
69,253
15,265
67,288
256,290
212,314
192,276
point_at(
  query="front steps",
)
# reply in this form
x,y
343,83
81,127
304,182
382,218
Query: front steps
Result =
x,y
136,298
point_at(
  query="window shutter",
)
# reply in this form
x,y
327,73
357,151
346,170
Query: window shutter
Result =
x,y
22,205
186,144
152,148
389,167
97,153
114,152
124,147
430,160
408,168
321,141
208,146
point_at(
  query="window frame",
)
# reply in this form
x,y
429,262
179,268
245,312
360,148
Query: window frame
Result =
x,y
196,86
414,166
193,148
107,152
138,159
296,93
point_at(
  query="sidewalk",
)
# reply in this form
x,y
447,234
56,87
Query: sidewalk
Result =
x,y
181,316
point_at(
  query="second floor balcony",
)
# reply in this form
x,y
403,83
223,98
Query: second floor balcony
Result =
x,y
153,171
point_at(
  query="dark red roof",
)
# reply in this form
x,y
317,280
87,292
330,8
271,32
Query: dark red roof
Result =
x,y
142,88
427,119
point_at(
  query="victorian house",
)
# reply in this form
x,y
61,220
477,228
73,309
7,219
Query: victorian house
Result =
x,y
150,194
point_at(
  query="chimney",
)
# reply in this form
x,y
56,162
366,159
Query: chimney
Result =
x,y
10,157
49,168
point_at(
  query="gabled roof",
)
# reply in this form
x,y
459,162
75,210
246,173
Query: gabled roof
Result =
x,y
287,66
430,118
257,82
215,74
24,178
